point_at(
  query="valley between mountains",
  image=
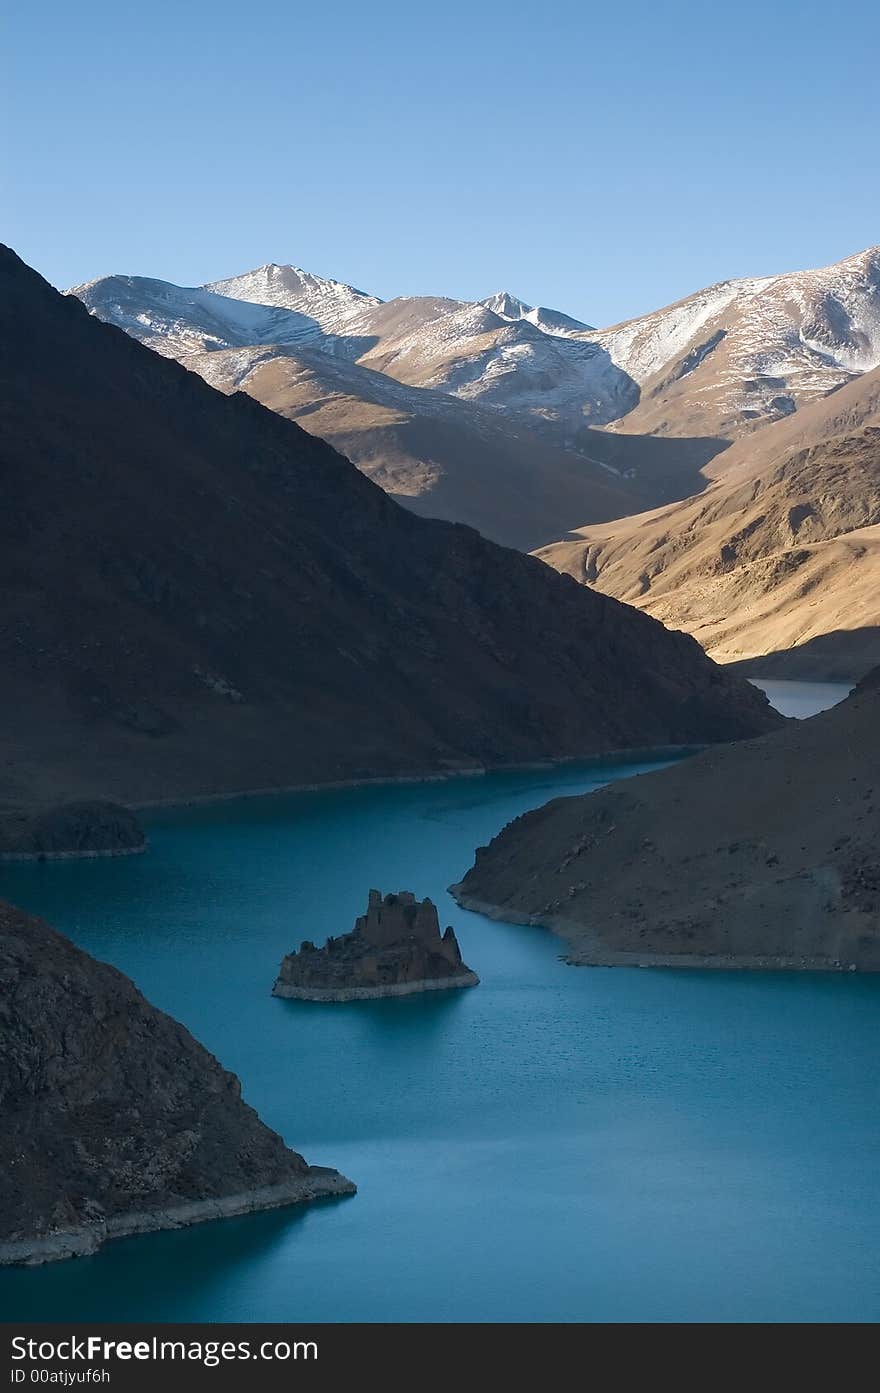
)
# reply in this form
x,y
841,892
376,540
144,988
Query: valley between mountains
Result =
x,y
712,462
203,598
440,700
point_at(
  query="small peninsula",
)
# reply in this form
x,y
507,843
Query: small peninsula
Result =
x,y
395,949
115,1120
761,855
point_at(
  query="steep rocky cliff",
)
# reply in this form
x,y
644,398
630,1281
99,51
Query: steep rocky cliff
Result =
x,y
199,598
762,854
115,1120
395,949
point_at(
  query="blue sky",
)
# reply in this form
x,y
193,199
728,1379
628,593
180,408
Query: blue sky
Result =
x,y
602,159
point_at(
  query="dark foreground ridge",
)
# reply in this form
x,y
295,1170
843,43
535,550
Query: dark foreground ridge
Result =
x,y
395,949
762,854
200,598
115,1120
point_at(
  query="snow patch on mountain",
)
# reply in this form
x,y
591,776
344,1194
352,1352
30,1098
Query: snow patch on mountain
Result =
x,y
795,336
508,306
331,304
643,347
177,320
734,353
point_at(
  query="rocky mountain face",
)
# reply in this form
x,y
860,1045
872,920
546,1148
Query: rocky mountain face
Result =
x,y
115,1120
781,554
437,455
293,346
492,413
746,352
332,306
395,949
762,854
536,366
202,598
715,364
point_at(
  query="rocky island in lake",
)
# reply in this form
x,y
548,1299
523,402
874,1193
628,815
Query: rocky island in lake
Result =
x,y
395,949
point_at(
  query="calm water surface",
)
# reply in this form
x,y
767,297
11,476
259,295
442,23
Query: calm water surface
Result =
x,y
802,699
556,1144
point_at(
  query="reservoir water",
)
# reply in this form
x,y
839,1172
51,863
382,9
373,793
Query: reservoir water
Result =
x,y
557,1144
802,699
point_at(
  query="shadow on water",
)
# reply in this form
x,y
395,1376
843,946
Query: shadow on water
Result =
x,y
166,1276
410,1022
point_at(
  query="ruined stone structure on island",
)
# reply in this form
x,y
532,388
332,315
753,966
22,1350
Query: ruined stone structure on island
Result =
x,y
395,949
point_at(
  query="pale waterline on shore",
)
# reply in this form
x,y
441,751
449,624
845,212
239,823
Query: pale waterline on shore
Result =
x,y
601,957
643,754
74,855
636,755
330,994
87,1239
797,700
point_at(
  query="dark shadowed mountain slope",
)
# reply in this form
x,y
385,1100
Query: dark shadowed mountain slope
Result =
x,y
115,1120
762,854
436,454
200,597
294,348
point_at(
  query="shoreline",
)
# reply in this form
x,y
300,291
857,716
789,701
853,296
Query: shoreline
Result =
x,y
342,994
12,856
636,755
319,1182
606,957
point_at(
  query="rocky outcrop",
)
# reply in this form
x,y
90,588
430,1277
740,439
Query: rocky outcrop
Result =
x,y
115,1120
395,949
762,854
95,828
200,598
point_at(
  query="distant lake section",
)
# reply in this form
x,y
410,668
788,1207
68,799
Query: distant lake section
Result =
x,y
802,699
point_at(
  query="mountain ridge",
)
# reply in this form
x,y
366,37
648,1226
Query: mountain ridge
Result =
x,y
772,341
202,598
713,368
440,453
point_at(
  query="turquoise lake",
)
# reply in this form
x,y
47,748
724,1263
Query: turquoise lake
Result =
x,y
557,1144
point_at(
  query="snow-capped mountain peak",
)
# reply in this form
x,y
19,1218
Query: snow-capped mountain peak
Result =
x,y
717,363
332,304
508,306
